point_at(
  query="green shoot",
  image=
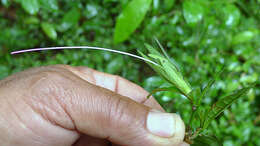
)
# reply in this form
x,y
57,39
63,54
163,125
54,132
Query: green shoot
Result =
x,y
169,71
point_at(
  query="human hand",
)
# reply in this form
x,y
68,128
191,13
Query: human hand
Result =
x,y
63,106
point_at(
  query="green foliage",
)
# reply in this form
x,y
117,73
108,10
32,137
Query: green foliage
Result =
x,y
206,141
30,6
200,49
130,19
49,30
170,73
231,15
218,107
69,19
193,11
171,89
167,70
243,37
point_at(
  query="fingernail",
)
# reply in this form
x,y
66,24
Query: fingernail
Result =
x,y
161,124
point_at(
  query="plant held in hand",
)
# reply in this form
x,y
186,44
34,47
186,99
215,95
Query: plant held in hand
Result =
x,y
168,70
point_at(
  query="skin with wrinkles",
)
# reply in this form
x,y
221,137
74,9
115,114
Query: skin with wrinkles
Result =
x,y
63,106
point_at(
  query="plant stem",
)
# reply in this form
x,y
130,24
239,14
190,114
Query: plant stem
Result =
x,y
194,108
197,132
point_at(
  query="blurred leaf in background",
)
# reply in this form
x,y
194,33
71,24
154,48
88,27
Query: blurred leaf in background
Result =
x,y
69,19
30,6
193,11
130,19
49,30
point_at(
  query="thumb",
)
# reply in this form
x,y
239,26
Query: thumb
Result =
x,y
101,113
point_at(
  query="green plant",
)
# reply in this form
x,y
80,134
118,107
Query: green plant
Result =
x,y
199,34
168,70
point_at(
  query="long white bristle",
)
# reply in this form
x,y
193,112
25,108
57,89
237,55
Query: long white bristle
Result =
x,y
83,47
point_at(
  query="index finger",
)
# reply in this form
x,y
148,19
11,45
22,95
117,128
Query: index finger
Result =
x,y
116,84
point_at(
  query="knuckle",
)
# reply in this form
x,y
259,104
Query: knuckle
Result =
x,y
47,79
117,77
119,112
49,95
48,76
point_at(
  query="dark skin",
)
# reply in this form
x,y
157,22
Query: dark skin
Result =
x,y
63,106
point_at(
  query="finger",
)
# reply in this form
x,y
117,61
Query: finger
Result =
x,y
184,144
101,113
118,85
86,140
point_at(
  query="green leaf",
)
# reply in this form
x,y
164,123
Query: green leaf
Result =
x,y
172,89
169,4
206,140
31,6
49,30
193,12
32,20
152,50
210,83
243,37
194,96
176,78
231,15
167,70
157,68
49,4
201,114
70,19
165,53
159,58
218,107
130,19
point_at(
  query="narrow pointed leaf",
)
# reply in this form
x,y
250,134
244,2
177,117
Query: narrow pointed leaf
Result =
x,y
157,57
222,104
206,140
152,50
130,19
166,55
168,71
203,113
206,89
172,89
146,57
161,47
210,83
194,96
176,78
158,69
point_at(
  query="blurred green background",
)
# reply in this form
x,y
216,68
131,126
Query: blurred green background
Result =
x,y
201,35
